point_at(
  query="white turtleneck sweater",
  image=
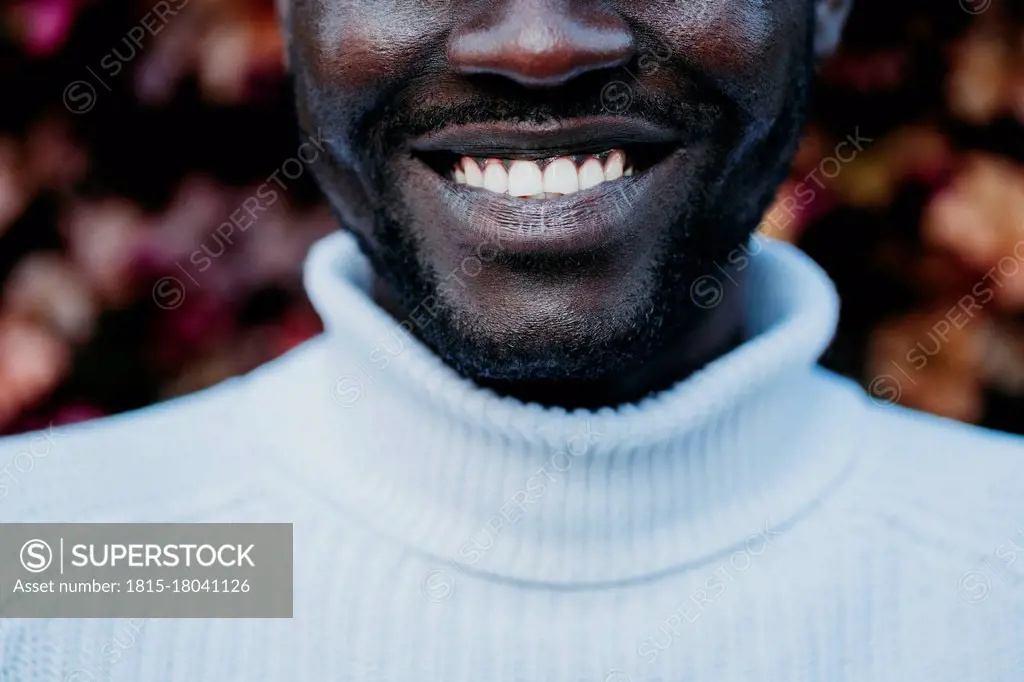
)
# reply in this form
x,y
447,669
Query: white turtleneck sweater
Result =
x,y
762,520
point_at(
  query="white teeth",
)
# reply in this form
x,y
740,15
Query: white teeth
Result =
x,y
525,179
560,177
591,174
614,166
474,176
495,177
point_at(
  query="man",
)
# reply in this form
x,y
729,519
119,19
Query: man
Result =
x,y
565,422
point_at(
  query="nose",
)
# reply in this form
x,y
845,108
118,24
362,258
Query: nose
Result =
x,y
540,43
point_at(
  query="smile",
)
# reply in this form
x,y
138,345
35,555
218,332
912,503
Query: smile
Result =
x,y
571,186
539,163
544,179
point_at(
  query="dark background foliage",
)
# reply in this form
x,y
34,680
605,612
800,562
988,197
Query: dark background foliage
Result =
x,y
120,159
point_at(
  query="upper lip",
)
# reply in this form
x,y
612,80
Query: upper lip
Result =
x,y
522,140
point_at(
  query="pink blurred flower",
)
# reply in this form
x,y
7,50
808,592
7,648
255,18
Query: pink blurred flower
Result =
x,y
45,24
32,362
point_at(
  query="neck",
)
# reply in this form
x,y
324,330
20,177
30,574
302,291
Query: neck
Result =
x,y
714,333
496,485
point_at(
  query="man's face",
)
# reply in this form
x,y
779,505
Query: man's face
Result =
x,y
539,183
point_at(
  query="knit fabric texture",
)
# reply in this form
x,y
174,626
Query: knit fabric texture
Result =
x,y
763,519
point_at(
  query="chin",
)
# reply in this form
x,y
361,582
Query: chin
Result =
x,y
534,275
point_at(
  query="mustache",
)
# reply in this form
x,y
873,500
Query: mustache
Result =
x,y
401,114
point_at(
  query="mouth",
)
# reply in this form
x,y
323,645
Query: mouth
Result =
x,y
542,164
570,187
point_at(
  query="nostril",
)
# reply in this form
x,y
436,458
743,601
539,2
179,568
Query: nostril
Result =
x,y
541,51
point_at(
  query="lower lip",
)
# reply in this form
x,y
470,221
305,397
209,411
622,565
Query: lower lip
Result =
x,y
597,218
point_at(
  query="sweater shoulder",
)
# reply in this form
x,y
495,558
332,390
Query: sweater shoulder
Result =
x,y
170,461
907,435
919,437
913,465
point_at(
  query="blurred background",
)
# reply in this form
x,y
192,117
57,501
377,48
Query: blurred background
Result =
x,y
131,131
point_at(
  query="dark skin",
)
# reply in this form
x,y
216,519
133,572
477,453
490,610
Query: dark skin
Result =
x,y
597,298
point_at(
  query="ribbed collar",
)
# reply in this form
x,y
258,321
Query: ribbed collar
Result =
x,y
493,485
